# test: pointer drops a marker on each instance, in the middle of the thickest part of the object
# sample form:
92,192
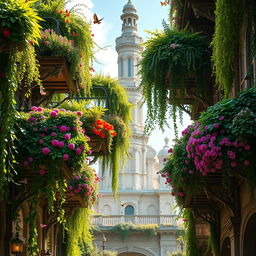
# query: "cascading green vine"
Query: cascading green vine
7,89
19,26
119,149
228,23
79,232
170,57
124,229
117,98
190,233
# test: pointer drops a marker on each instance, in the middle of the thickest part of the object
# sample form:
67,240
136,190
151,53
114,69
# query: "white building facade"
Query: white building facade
143,198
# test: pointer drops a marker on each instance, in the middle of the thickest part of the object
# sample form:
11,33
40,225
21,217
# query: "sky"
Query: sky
151,14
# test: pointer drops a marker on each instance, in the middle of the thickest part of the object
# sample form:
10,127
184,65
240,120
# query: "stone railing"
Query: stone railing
112,220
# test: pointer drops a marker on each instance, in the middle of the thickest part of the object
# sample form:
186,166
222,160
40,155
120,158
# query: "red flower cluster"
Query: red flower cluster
66,14
100,128
6,32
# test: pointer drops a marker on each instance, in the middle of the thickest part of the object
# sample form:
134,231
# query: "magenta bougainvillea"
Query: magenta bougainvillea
222,141
84,184
49,137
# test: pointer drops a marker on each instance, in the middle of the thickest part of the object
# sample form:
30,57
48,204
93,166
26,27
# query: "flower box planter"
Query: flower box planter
54,75
98,146
75,202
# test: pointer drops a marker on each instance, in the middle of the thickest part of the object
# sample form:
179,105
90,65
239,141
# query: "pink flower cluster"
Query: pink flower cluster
209,149
52,137
83,184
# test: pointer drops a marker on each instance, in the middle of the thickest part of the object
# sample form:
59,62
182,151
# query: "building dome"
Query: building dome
129,7
163,153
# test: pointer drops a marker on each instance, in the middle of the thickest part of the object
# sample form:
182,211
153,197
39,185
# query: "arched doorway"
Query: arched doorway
225,250
249,241
131,254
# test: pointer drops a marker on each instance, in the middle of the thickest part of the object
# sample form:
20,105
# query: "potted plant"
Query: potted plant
174,68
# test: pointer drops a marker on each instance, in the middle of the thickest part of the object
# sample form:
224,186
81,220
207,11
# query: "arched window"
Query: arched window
129,210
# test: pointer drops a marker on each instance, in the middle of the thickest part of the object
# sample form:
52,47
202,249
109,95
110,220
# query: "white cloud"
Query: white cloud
107,56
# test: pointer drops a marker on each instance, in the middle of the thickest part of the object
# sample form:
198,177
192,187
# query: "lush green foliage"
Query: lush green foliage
226,41
117,140
52,44
190,233
117,98
8,86
119,149
51,135
124,229
18,22
78,226
74,27
50,145
169,59
84,184
222,140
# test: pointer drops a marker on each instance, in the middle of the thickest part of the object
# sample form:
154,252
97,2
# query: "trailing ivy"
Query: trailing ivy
118,103
124,229
19,26
190,233
170,57
226,40
78,231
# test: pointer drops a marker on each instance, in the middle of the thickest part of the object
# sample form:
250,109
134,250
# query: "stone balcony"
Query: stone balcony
112,220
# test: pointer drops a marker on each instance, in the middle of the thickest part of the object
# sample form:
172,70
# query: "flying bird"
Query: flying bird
96,20
122,205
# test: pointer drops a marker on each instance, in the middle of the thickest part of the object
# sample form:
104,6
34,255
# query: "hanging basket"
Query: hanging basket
98,146
76,201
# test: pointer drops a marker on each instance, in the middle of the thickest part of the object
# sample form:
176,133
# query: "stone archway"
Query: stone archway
249,245
135,251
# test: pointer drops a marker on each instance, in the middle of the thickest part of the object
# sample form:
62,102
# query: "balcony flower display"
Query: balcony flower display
170,61
73,27
84,184
110,131
222,141
51,146
55,45
49,137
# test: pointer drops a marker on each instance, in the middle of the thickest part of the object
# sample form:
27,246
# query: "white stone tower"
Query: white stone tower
141,198
134,174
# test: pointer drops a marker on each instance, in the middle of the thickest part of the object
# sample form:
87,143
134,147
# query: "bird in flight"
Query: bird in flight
96,20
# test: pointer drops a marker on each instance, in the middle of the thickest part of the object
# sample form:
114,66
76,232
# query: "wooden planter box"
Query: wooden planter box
75,202
98,145
31,174
55,75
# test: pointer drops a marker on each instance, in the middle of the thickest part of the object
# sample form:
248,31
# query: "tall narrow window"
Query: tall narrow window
129,67
121,67
129,21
